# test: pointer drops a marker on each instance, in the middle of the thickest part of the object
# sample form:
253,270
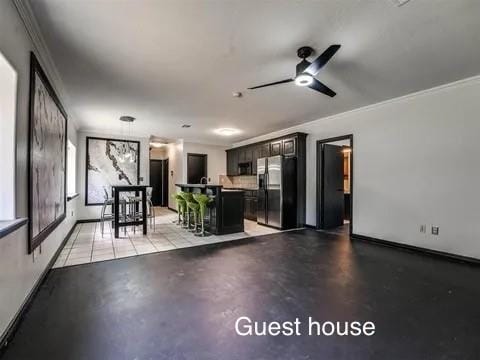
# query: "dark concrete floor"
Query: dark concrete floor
183,304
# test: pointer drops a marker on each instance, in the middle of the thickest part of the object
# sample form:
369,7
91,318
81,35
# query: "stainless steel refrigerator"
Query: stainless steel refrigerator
276,198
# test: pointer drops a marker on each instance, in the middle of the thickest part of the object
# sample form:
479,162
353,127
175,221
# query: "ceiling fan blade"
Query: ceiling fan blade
274,83
318,86
319,62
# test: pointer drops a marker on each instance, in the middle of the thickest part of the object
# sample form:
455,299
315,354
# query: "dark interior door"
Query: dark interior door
333,201
159,182
196,168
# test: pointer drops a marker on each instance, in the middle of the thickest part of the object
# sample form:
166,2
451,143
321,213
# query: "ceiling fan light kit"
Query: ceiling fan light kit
303,80
306,71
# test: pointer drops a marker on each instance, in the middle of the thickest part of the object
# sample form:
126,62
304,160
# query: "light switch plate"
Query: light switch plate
423,228
434,230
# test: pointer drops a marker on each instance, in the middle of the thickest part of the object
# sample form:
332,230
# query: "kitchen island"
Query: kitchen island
225,211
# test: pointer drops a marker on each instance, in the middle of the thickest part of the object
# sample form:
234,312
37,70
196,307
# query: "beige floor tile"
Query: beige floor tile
124,254
124,248
103,257
164,247
80,254
87,243
77,261
97,252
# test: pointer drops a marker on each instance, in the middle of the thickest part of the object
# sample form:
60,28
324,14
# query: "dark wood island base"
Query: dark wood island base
225,210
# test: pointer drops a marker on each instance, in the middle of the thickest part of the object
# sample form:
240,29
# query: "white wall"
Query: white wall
8,103
216,159
177,155
19,271
175,168
416,161
160,153
93,212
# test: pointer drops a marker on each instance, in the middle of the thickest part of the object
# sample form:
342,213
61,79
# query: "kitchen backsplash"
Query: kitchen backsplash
246,181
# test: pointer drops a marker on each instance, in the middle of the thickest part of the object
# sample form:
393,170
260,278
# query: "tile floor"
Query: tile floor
86,244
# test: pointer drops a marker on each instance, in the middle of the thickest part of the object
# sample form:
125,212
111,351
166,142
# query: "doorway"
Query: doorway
159,182
335,184
196,168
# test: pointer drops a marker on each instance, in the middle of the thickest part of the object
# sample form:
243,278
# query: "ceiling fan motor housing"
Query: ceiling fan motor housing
304,52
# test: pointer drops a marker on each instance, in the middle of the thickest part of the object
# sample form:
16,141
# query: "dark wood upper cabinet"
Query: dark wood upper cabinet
248,154
241,155
232,162
289,147
256,154
276,148
245,154
264,150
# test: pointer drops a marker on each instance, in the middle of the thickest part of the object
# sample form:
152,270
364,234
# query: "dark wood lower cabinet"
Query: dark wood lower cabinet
250,211
250,207
232,209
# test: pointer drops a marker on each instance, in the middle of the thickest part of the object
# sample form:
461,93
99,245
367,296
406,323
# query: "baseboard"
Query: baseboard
12,327
418,249
87,221
169,208
310,226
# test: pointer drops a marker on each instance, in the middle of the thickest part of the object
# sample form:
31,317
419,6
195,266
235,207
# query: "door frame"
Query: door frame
167,175
205,166
319,178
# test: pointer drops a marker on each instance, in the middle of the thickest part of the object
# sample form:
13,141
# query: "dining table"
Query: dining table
137,189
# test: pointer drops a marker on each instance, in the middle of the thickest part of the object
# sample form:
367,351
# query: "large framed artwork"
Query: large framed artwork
47,150
106,165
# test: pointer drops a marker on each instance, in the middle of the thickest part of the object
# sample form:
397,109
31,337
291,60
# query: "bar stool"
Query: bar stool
194,207
203,201
185,212
109,201
133,201
151,208
181,205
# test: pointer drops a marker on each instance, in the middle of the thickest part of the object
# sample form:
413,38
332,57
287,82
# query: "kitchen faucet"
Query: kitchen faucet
206,180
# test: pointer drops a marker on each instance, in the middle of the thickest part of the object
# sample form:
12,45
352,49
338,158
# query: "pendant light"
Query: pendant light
126,153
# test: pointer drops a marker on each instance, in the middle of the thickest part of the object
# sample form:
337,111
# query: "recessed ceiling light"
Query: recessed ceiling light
303,80
237,94
227,131
186,126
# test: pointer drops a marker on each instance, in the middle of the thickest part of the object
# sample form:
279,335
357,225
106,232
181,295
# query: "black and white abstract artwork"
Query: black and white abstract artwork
106,167
47,171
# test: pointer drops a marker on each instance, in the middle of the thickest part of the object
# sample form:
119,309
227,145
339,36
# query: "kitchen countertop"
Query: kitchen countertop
199,186
241,188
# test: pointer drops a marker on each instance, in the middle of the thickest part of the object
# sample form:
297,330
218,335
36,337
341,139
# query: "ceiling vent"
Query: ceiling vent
399,2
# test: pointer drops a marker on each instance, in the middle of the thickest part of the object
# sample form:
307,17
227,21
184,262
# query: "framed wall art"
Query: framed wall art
47,149
109,162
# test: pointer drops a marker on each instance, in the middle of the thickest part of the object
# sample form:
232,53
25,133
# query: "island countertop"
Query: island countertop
199,186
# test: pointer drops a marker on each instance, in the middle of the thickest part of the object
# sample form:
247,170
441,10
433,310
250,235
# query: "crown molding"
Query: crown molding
455,84
43,54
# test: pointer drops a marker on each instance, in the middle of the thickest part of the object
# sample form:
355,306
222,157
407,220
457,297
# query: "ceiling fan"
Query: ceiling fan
306,70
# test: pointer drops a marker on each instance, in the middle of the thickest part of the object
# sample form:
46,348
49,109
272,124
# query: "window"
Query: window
8,101
71,168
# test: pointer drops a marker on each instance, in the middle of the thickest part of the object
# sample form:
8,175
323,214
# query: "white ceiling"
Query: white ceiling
174,62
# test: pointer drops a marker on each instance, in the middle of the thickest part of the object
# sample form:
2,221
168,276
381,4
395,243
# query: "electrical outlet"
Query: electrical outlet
434,230
423,228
